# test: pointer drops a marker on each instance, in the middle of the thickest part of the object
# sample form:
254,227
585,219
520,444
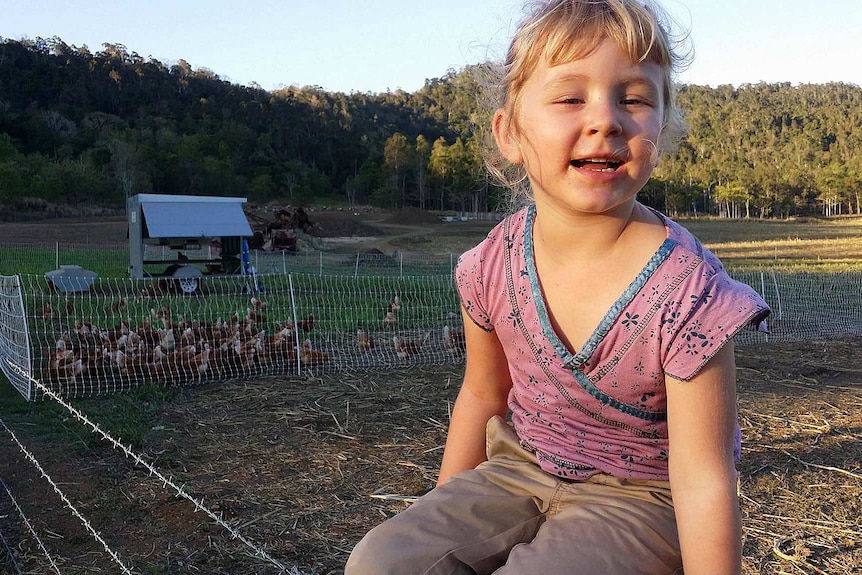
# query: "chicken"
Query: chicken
70,306
390,320
187,336
62,363
287,330
453,339
159,354
118,306
312,357
200,363
118,359
47,311
63,343
247,350
364,340
124,327
83,329
167,340
306,324
254,317
395,304
258,304
163,314
409,348
281,344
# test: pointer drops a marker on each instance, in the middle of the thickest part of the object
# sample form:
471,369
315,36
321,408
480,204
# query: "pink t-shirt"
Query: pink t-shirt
603,408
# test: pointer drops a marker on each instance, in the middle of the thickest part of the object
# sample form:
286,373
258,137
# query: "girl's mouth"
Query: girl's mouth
597,164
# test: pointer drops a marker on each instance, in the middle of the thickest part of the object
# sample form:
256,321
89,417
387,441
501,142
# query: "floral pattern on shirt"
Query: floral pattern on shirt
602,409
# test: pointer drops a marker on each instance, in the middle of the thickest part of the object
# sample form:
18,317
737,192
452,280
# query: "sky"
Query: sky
383,45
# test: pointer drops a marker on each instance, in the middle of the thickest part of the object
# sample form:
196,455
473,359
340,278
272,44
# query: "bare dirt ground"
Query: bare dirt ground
335,229
303,468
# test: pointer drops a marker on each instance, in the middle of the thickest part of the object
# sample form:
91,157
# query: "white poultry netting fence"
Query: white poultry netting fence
118,333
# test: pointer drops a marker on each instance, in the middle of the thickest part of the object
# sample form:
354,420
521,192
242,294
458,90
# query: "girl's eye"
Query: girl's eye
571,101
635,101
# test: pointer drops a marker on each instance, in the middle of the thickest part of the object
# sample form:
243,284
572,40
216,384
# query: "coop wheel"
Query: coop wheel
188,285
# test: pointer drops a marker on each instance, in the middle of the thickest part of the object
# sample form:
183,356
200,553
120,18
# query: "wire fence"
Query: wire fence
114,334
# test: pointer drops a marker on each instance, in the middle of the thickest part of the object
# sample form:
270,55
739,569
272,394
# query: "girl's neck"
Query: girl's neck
573,237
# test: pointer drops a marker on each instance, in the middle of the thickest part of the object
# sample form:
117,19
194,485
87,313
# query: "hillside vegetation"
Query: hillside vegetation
82,128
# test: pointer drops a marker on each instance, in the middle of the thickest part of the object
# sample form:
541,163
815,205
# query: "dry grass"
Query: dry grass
305,467
814,245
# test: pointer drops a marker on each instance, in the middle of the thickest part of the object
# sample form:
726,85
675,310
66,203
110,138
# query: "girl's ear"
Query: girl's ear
504,135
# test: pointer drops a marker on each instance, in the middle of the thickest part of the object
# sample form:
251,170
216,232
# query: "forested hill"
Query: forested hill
78,128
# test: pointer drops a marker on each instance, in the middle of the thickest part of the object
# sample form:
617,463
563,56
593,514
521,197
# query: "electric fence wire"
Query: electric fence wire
30,528
9,552
139,460
96,535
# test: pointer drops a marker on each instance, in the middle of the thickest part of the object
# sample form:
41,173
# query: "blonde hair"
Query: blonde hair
560,31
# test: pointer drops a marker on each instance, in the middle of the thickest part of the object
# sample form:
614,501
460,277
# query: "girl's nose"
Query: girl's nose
603,117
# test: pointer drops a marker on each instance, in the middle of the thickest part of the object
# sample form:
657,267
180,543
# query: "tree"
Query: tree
124,163
731,196
422,156
396,159
440,167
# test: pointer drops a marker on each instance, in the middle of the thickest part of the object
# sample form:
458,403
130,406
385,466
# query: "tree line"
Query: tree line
83,128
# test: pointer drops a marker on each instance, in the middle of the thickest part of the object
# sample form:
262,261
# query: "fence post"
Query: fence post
777,292
401,264
356,267
295,326
283,262
321,263
15,344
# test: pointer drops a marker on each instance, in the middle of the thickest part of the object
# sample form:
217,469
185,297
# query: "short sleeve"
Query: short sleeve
716,312
469,281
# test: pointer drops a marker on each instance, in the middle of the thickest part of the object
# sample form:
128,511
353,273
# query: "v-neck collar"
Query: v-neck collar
580,357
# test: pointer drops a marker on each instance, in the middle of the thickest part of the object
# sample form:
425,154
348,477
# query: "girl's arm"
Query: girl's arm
701,425
483,394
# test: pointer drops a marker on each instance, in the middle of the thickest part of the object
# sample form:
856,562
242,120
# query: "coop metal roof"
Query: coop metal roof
193,216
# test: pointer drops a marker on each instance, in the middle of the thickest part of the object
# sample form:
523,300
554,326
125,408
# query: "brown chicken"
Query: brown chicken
453,339
306,324
118,306
406,349
312,357
390,320
200,363
364,340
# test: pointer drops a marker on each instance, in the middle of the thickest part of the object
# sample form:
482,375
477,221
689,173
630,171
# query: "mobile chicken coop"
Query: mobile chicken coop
186,237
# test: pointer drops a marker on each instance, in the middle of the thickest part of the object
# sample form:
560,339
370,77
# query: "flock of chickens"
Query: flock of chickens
164,347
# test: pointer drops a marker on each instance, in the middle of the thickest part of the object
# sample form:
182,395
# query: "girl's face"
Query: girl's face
586,131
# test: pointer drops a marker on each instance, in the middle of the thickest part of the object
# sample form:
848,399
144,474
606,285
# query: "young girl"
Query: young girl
603,328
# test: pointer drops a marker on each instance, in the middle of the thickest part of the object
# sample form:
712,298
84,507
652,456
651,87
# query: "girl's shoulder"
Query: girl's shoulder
687,241
507,232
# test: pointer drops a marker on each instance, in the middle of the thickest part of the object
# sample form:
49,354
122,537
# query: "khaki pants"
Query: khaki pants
509,517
